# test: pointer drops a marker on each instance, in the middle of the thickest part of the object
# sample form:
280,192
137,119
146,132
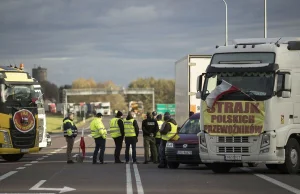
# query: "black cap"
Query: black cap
99,114
119,114
167,114
154,113
159,117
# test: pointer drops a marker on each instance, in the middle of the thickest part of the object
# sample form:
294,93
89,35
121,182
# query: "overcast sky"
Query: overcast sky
121,40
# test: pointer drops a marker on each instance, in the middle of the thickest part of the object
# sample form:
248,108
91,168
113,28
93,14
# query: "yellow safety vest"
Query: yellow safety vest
114,128
129,128
97,128
69,132
158,135
171,135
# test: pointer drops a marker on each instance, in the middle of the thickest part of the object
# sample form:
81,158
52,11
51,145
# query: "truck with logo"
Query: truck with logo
105,108
250,105
21,130
187,70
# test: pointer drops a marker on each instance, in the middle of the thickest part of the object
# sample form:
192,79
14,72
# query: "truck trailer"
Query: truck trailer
186,71
250,110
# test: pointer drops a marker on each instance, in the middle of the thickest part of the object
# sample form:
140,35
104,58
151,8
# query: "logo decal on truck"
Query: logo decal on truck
24,120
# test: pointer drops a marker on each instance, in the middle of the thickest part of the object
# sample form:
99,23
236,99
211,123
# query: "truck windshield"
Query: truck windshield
258,85
192,126
249,57
18,92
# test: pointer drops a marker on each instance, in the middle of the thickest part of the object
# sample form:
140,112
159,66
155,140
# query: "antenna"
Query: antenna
278,40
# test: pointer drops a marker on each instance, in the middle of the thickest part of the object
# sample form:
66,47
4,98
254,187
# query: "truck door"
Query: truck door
296,97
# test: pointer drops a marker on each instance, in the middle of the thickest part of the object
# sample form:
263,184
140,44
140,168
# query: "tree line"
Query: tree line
164,92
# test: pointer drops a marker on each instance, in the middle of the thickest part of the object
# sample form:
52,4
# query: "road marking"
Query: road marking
128,180
45,156
27,193
20,168
275,182
27,164
34,162
40,159
138,179
7,175
49,154
37,187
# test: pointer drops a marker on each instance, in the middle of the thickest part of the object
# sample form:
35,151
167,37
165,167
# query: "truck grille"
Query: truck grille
180,145
225,139
233,149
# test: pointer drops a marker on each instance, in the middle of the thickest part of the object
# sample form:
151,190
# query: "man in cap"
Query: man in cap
70,133
117,133
150,128
99,133
168,132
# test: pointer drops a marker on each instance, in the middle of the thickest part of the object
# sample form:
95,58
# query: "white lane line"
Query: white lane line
27,164
20,168
275,182
53,152
128,180
40,159
49,154
2,177
34,162
45,156
139,185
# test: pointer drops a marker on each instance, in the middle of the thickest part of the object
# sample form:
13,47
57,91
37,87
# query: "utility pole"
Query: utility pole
265,29
226,23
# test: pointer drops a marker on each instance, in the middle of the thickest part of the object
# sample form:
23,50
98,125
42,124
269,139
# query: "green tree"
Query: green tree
164,90
50,91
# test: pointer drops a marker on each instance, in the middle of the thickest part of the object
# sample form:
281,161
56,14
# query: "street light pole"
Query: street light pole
265,19
226,23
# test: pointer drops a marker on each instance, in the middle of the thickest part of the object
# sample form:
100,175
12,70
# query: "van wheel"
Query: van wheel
252,164
12,157
272,166
173,165
220,168
292,153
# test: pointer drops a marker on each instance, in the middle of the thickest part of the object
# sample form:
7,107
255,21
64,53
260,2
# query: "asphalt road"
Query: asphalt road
48,172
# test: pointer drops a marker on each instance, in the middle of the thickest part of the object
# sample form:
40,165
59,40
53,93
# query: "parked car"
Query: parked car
186,149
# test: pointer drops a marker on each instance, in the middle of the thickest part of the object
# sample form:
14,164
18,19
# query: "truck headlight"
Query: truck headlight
203,140
169,145
6,138
265,140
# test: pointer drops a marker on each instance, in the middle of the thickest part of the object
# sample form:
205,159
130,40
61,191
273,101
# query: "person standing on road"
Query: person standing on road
158,135
168,133
70,133
150,128
99,133
131,131
117,133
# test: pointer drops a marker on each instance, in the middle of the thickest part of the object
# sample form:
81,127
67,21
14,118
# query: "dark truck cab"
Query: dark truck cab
186,149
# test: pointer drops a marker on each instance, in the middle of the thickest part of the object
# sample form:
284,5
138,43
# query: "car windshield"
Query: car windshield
254,84
14,92
231,58
192,126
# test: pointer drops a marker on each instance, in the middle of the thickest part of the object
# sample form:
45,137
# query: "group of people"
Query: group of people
156,133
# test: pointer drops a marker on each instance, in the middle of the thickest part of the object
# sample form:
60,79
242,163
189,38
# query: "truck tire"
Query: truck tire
12,157
220,168
272,166
173,165
292,154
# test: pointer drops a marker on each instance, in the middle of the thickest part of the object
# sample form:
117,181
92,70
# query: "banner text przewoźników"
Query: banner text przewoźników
234,118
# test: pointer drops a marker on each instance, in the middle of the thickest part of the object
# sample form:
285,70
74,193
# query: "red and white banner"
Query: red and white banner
218,92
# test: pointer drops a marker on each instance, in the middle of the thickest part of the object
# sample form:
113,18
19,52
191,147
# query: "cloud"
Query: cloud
122,40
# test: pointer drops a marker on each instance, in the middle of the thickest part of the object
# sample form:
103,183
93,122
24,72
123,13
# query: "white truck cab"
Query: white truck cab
250,105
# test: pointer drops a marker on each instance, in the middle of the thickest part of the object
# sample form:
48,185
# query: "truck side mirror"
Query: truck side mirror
284,84
199,83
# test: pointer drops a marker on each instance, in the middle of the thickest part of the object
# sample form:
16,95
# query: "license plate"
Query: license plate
233,157
184,152
24,150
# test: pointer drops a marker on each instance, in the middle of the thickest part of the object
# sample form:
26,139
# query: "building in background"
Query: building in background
39,73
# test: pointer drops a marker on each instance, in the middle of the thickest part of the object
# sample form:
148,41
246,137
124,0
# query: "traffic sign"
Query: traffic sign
162,108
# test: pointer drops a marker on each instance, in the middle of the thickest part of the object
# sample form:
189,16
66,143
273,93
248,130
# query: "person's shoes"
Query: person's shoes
103,162
70,162
95,163
127,162
119,162
135,162
162,166
145,162
155,162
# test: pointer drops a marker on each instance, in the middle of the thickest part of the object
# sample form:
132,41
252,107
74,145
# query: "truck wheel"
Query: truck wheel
292,153
272,166
12,157
220,168
173,165
252,164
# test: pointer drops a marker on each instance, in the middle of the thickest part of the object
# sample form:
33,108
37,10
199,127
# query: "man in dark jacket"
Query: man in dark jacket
117,133
70,133
150,128
165,129
131,132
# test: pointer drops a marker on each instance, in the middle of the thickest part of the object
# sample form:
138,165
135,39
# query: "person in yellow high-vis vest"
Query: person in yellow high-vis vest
99,134
131,131
168,133
158,135
117,133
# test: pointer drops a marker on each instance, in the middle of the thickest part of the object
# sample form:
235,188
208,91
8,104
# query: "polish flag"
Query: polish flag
218,92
